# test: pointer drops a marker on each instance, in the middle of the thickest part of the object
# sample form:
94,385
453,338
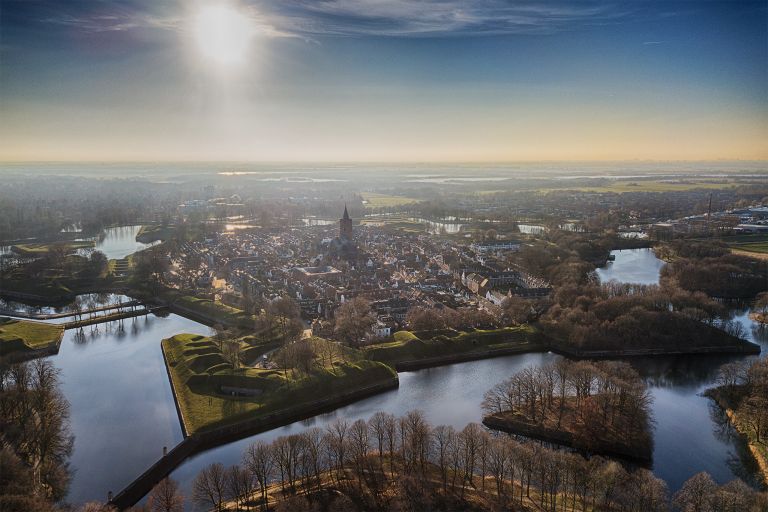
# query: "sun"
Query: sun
223,34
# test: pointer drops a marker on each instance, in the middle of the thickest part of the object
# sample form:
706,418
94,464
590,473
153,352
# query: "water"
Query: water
123,411
121,405
689,436
313,221
639,266
532,229
438,227
119,242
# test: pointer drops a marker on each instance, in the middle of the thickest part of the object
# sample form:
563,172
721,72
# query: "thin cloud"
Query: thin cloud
356,18
403,18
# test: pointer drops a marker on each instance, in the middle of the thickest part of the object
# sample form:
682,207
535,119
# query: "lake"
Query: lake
639,266
117,243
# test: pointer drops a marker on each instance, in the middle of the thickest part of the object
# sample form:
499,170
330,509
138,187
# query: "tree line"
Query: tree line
711,268
403,463
629,316
599,403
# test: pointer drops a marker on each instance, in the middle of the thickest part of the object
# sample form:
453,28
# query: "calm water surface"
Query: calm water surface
121,405
119,242
639,266
123,411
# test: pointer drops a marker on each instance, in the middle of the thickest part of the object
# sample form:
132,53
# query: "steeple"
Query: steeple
345,226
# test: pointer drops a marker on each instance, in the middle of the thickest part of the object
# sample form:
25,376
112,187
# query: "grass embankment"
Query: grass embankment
727,398
153,233
574,430
214,311
40,249
443,346
22,338
203,381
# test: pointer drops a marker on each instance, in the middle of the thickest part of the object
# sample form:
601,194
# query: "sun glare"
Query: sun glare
223,34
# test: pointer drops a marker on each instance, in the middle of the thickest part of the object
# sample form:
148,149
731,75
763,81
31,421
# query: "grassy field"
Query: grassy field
374,200
199,369
409,346
42,248
23,336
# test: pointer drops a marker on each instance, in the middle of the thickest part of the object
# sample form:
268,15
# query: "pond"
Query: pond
117,243
532,229
445,227
639,266
314,221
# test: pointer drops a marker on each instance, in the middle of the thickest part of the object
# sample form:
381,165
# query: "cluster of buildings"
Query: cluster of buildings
322,268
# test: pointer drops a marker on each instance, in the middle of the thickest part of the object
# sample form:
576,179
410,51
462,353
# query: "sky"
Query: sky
383,81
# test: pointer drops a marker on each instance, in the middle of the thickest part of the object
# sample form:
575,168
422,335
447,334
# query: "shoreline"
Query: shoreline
715,394
503,424
207,439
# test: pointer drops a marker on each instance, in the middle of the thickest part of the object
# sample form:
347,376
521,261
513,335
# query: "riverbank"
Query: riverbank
21,340
758,450
516,424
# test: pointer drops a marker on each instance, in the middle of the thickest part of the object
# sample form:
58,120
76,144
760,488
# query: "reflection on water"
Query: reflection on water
117,243
448,227
531,229
122,409
640,266
312,221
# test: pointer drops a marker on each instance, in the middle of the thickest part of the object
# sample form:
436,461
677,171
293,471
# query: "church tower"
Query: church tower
345,226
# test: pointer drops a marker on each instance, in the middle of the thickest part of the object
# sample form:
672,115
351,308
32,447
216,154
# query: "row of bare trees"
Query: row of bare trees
433,319
378,464
596,401
745,388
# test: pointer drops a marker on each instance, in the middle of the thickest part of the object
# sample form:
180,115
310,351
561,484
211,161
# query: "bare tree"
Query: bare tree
259,461
166,497
209,487
353,321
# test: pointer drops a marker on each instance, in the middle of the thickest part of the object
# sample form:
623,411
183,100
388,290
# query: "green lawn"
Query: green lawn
20,336
198,370
409,346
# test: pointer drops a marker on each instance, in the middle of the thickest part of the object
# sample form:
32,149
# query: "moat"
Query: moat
122,408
